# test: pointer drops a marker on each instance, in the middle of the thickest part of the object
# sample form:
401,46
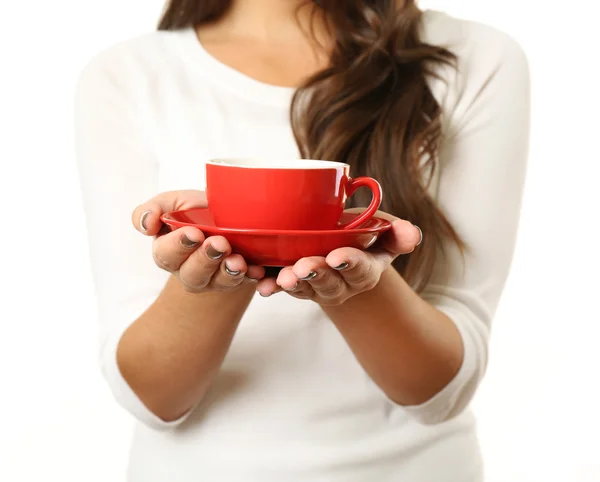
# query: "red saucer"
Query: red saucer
281,248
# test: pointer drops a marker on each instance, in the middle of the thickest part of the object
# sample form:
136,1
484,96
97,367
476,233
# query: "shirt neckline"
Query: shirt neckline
234,80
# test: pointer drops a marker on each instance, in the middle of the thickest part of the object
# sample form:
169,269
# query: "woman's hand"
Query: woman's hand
345,272
200,264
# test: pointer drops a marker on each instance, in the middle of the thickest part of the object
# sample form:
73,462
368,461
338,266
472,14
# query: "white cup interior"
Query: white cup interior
277,163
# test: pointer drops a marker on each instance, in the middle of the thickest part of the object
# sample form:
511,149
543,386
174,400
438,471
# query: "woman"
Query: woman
353,367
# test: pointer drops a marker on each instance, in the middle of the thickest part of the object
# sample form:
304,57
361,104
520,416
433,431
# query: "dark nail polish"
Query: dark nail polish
342,266
144,219
212,253
311,275
420,234
231,272
187,242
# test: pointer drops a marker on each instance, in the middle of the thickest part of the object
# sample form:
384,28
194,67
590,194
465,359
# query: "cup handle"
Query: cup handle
373,185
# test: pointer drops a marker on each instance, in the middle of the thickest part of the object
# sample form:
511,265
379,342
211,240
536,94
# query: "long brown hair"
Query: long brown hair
371,108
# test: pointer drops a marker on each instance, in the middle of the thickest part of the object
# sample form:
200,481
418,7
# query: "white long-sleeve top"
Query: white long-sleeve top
291,403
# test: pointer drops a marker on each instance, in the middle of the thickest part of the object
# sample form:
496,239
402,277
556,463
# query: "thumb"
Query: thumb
403,238
146,217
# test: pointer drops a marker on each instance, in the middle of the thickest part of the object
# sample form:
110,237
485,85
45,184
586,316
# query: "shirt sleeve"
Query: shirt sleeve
483,165
117,173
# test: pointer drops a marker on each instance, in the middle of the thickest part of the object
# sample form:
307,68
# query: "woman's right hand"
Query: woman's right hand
200,264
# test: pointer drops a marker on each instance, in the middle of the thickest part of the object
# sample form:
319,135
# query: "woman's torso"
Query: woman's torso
291,402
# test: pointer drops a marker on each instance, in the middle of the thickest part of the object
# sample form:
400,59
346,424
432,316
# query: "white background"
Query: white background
539,406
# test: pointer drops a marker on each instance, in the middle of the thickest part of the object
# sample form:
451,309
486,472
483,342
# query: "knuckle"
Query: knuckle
196,276
333,289
363,276
205,267
190,287
230,284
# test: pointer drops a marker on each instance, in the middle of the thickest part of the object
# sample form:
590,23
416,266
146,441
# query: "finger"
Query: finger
230,274
403,238
359,269
324,280
171,250
255,273
197,271
146,217
289,282
340,259
267,287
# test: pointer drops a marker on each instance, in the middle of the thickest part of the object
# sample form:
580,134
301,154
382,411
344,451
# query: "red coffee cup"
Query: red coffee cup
284,195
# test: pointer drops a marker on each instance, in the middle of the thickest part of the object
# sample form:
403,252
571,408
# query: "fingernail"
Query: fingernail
231,272
420,234
265,296
213,253
187,242
342,266
143,219
254,280
311,275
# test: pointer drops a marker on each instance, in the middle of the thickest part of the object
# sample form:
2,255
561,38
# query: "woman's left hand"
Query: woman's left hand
345,272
